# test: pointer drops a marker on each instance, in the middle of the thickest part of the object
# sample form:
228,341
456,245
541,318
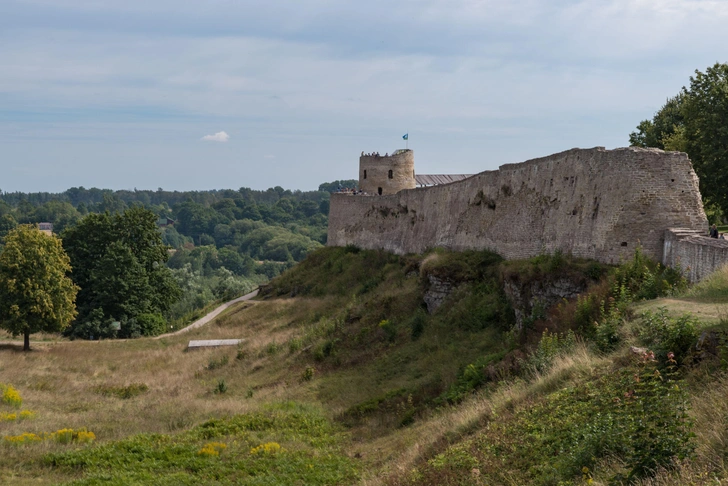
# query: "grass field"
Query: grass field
340,380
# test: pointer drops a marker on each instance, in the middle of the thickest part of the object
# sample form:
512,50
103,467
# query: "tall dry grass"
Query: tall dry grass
61,382
397,454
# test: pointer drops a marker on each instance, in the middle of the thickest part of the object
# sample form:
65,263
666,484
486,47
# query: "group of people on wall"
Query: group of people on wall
349,190
715,234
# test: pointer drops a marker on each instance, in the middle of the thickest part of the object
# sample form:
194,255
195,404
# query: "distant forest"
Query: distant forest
224,242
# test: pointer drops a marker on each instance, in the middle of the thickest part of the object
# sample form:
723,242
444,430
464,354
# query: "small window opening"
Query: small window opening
365,174
624,243
391,176
379,190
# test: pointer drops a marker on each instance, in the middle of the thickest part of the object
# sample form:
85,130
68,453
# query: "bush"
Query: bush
417,324
11,396
308,373
214,363
647,279
551,346
151,324
471,377
664,334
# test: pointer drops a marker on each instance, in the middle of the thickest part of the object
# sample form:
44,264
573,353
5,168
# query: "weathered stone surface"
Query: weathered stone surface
436,293
375,171
591,203
213,343
539,293
693,252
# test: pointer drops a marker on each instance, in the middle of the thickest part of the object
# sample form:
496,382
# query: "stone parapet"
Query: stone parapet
693,252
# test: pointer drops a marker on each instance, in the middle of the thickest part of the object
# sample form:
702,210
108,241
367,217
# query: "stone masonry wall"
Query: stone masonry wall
694,253
377,169
592,203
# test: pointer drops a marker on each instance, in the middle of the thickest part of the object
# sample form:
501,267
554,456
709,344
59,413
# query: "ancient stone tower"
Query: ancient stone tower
387,174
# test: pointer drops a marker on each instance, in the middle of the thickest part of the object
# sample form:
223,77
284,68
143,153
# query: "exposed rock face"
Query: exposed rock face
536,297
437,292
591,203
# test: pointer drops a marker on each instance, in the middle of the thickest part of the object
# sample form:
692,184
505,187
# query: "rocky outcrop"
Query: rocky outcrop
532,300
438,290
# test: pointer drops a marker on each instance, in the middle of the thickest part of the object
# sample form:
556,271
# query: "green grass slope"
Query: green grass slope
343,377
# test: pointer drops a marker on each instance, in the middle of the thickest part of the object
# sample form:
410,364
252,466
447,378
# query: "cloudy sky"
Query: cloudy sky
209,94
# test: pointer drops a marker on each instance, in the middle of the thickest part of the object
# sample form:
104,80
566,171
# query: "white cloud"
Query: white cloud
218,137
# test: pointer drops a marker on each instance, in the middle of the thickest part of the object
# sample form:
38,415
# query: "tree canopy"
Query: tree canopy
35,292
121,273
695,121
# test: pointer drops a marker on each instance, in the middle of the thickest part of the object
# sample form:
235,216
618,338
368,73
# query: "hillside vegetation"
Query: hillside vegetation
345,377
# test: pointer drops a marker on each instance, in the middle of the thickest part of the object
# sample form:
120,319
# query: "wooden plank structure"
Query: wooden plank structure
437,179
213,343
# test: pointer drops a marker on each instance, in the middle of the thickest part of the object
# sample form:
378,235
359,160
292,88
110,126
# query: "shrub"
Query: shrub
647,279
11,396
221,387
84,435
151,324
471,377
267,448
606,332
308,373
212,449
294,345
63,436
22,439
551,346
214,363
417,323
655,413
665,334
588,310
390,331
26,414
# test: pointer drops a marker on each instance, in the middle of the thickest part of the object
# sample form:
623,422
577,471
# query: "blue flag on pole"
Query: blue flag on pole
405,136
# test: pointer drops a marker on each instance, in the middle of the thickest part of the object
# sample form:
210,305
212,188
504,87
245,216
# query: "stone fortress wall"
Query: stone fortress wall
591,203
693,253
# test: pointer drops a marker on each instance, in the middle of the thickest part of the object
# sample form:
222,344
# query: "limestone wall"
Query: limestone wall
592,203
694,252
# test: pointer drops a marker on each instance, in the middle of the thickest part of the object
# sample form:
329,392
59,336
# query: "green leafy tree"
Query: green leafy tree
35,292
696,122
119,261
7,223
706,131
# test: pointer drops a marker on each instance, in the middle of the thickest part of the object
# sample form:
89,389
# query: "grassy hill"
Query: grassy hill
344,377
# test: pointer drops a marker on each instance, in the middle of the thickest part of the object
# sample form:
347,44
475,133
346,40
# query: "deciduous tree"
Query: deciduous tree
118,263
35,292
696,122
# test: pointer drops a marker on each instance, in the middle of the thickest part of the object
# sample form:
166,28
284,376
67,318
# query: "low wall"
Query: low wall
694,253
591,203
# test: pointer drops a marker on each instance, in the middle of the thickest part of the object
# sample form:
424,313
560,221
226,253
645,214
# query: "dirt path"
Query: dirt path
205,319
